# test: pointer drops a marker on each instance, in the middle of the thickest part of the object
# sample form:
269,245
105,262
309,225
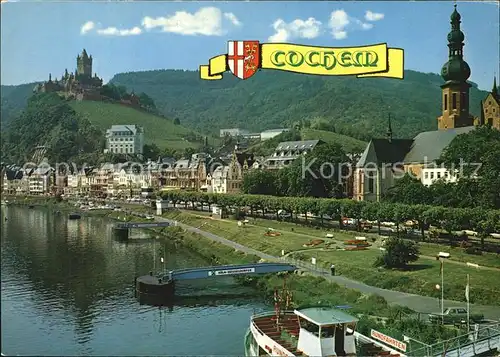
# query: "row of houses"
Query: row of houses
200,172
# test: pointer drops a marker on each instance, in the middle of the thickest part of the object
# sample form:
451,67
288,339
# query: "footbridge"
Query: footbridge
163,284
228,270
484,341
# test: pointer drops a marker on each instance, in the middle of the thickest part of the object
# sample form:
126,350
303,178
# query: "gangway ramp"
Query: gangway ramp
229,270
486,339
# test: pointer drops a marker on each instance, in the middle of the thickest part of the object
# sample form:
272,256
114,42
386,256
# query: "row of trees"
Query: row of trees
483,221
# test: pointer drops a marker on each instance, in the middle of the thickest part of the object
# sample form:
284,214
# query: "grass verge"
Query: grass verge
420,279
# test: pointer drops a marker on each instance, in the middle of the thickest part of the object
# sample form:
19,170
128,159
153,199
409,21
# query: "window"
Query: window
371,184
446,174
439,175
463,103
327,331
445,102
490,121
454,101
426,175
432,175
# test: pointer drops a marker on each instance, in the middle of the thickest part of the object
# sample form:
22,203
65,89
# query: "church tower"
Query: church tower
455,72
84,65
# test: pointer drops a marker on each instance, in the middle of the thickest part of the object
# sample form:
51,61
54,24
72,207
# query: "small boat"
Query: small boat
315,331
74,216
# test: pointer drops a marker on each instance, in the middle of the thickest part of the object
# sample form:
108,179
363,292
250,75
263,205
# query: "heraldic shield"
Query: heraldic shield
243,58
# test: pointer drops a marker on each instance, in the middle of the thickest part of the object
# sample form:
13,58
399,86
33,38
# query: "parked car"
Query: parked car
455,315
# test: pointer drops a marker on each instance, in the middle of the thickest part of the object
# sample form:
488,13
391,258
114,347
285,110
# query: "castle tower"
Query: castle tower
84,65
455,72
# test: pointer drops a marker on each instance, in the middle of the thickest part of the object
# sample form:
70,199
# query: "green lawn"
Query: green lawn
158,130
358,265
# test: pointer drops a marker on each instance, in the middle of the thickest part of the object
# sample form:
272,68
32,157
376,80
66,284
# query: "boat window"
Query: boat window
350,328
309,326
327,331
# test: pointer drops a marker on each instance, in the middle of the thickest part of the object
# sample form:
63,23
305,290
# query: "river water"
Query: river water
67,289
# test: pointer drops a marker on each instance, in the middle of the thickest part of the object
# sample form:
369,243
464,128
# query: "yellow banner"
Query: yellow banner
362,62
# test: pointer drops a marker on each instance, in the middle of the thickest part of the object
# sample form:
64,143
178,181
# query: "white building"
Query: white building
271,133
233,132
125,139
433,173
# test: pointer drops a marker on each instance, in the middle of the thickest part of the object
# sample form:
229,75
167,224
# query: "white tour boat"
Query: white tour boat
316,331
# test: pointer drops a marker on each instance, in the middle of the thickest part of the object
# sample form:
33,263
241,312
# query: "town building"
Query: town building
12,182
188,174
79,85
125,139
40,180
490,108
271,133
234,132
286,152
229,178
387,159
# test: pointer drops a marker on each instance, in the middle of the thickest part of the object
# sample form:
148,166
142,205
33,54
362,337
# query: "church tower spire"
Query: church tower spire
494,90
455,72
389,129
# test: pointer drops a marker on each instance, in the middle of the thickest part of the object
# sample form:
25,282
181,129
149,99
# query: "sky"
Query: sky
38,38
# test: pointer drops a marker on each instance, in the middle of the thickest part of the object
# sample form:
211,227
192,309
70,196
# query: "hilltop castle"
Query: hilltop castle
79,85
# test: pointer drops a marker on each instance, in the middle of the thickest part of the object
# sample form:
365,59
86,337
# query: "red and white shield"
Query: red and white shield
243,58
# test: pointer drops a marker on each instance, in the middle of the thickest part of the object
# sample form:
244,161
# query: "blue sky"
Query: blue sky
39,38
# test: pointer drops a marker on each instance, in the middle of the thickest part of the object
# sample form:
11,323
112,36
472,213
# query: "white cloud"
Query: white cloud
206,21
86,27
338,22
113,31
232,17
373,16
310,28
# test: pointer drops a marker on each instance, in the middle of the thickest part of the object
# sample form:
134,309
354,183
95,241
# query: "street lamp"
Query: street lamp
442,256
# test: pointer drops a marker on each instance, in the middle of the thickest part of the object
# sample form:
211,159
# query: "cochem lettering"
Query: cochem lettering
326,59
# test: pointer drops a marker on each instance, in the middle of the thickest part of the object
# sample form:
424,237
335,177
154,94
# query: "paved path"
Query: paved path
415,302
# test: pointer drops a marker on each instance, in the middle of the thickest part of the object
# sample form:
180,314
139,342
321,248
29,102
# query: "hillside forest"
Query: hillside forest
351,106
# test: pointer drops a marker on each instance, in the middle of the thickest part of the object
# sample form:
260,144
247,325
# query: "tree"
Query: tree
317,173
151,151
398,253
147,102
474,156
177,121
260,182
408,190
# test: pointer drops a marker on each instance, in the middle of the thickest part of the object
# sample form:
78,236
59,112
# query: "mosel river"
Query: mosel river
68,289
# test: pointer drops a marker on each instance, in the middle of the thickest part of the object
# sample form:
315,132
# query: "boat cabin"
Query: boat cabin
326,331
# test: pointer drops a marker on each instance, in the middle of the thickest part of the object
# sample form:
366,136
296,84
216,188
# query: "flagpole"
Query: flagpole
467,296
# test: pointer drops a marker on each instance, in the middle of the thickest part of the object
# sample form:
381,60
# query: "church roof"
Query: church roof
429,145
383,151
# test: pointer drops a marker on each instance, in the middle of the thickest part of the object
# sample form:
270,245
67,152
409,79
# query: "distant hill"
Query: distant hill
160,131
273,99
13,99
270,99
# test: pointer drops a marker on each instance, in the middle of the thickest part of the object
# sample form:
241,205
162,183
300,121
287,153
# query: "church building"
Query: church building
387,159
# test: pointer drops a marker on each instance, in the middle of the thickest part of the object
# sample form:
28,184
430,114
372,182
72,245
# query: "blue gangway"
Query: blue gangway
228,270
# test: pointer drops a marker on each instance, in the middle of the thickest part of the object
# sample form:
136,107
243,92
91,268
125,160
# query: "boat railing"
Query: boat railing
460,345
265,314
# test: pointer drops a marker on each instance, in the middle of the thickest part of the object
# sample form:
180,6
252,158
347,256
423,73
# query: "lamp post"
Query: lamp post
442,256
